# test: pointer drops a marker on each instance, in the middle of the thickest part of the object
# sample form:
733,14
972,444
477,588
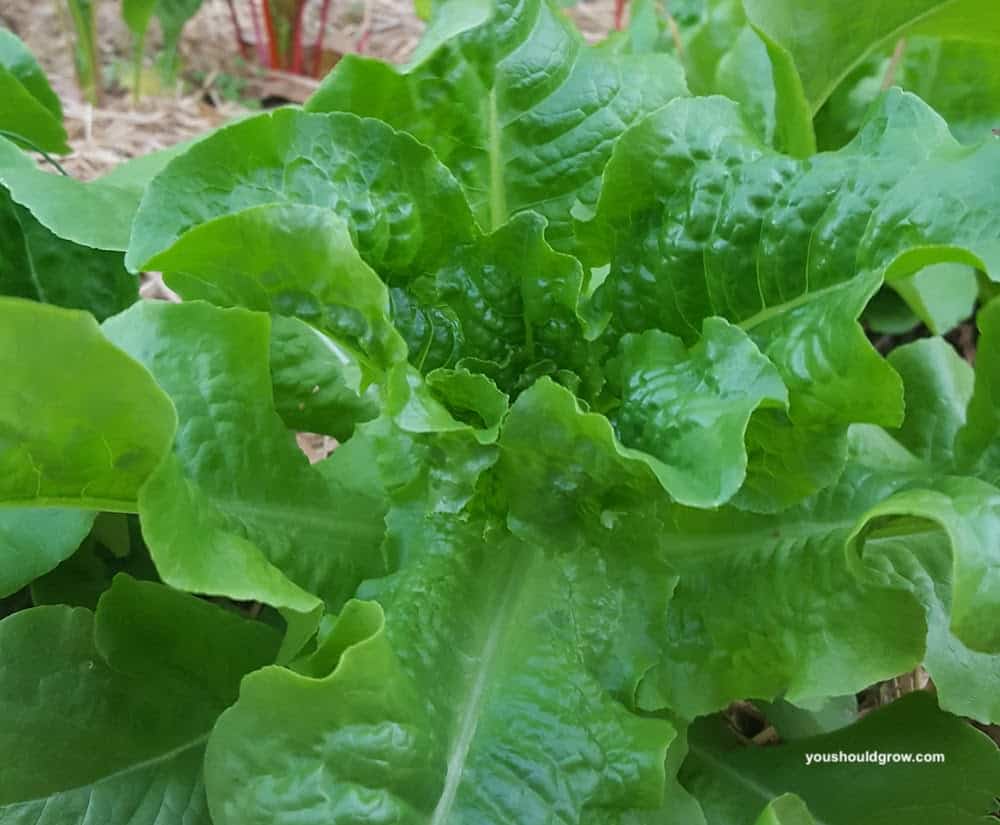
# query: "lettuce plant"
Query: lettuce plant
614,453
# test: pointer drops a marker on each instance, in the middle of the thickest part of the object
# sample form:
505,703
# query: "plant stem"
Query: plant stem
619,14
298,57
274,54
317,66
140,43
35,148
258,35
894,61
240,42
88,70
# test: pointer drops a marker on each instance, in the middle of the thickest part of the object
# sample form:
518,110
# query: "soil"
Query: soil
216,84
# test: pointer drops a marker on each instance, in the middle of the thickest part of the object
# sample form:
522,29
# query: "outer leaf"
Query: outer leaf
128,720
968,511
94,214
290,259
747,583
24,116
826,40
719,225
959,79
470,721
83,578
33,542
236,510
978,444
942,295
401,226
520,109
794,722
732,782
90,450
36,264
938,386
724,55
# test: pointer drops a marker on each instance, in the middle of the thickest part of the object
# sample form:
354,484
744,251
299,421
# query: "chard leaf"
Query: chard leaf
732,782
458,714
127,718
519,108
90,450
404,210
36,264
236,510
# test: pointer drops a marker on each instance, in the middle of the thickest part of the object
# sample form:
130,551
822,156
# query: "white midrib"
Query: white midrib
498,191
472,706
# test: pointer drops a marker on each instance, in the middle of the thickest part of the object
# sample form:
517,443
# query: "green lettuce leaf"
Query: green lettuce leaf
455,715
130,697
520,109
96,214
978,441
36,264
733,782
504,304
319,387
91,449
34,541
236,510
825,40
401,226
697,218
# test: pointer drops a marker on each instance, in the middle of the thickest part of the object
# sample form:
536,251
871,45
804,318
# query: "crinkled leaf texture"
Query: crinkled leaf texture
442,701
520,109
616,453
697,218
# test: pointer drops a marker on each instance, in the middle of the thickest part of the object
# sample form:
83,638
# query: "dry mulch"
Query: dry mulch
119,128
